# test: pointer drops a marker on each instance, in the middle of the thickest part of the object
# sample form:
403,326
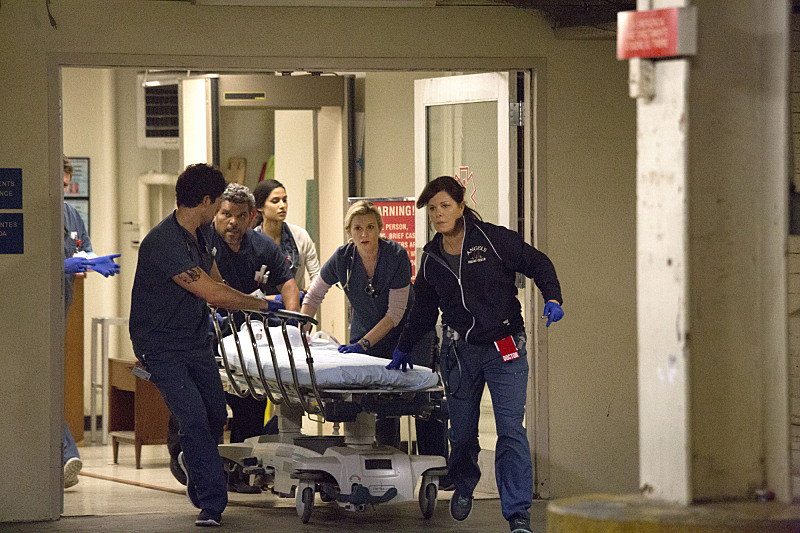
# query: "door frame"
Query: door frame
537,236
531,171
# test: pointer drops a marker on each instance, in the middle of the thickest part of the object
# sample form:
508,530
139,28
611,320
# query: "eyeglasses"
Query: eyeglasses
370,290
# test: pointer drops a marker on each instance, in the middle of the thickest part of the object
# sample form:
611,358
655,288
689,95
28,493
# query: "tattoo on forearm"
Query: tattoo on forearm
190,275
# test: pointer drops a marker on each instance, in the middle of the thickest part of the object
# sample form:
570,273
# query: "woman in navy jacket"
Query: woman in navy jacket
468,271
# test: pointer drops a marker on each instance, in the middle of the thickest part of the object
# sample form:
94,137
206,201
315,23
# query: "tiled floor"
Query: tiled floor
119,497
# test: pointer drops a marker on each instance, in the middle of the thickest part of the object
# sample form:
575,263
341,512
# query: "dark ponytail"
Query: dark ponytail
261,193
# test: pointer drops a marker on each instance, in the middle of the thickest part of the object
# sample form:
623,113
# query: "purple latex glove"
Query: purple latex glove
276,304
352,348
400,360
75,265
105,265
552,312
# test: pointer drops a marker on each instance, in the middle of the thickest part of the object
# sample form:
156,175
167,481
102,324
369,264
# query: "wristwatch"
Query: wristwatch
365,343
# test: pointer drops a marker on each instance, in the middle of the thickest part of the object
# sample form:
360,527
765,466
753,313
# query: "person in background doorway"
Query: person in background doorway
272,204
468,272
78,259
176,276
241,254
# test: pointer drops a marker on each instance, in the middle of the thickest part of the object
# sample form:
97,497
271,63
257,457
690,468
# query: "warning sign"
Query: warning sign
398,223
656,33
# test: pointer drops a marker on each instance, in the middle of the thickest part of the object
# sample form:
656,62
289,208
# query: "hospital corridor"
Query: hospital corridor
591,205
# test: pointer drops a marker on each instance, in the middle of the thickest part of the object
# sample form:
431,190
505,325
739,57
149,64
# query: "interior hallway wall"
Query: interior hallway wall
591,230
590,193
389,132
89,124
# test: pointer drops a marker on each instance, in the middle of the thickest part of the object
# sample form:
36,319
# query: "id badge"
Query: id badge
507,348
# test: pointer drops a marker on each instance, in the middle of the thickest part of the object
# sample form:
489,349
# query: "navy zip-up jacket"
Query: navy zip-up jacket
479,302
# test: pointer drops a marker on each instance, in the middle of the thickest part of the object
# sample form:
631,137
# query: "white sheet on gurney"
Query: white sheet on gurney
333,370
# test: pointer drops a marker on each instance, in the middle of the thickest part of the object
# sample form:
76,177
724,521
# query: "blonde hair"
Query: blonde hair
362,207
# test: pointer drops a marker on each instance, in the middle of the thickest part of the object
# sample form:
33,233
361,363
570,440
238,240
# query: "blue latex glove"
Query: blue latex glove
220,320
105,265
74,265
352,348
302,295
276,304
552,312
399,360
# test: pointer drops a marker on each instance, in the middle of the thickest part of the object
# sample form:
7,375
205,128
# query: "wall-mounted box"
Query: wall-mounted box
158,117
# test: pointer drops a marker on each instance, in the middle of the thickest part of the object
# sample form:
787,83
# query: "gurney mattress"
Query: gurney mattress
333,370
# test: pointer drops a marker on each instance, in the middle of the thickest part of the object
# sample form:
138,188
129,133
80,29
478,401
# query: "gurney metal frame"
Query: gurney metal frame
350,469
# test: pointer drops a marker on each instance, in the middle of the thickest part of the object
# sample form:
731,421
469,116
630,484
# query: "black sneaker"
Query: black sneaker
208,519
177,471
520,525
460,506
191,490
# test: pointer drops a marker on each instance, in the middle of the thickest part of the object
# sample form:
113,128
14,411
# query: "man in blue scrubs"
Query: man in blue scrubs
241,254
175,276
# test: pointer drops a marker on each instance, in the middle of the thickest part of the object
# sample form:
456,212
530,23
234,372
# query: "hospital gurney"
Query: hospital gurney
311,378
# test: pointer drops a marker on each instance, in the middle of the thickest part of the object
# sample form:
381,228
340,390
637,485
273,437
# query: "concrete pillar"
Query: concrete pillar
712,172
712,193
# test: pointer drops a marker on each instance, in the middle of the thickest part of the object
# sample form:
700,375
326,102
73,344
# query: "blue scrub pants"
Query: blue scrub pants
70,449
464,378
190,384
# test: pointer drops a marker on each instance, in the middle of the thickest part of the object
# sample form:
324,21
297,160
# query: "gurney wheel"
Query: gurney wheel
427,499
305,502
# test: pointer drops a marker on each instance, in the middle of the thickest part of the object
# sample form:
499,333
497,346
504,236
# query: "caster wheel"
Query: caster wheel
304,501
427,499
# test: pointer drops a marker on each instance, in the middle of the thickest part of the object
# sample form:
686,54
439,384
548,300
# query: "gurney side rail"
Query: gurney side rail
242,393
259,397
285,316
285,392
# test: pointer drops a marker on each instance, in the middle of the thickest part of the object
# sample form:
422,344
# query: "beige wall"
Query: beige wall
590,192
90,131
389,132
591,231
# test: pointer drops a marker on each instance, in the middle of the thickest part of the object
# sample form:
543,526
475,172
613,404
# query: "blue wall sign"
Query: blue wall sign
11,234
10,188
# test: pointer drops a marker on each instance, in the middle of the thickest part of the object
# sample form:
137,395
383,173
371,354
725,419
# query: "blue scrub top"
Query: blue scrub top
239,268
164,316
288,246
76,239
393,271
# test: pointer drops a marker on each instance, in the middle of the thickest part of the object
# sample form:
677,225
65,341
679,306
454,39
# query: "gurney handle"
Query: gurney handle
300,317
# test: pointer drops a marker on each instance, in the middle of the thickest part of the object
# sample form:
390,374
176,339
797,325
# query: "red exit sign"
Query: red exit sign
657,33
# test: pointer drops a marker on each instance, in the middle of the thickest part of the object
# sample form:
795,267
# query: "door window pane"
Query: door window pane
462,142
